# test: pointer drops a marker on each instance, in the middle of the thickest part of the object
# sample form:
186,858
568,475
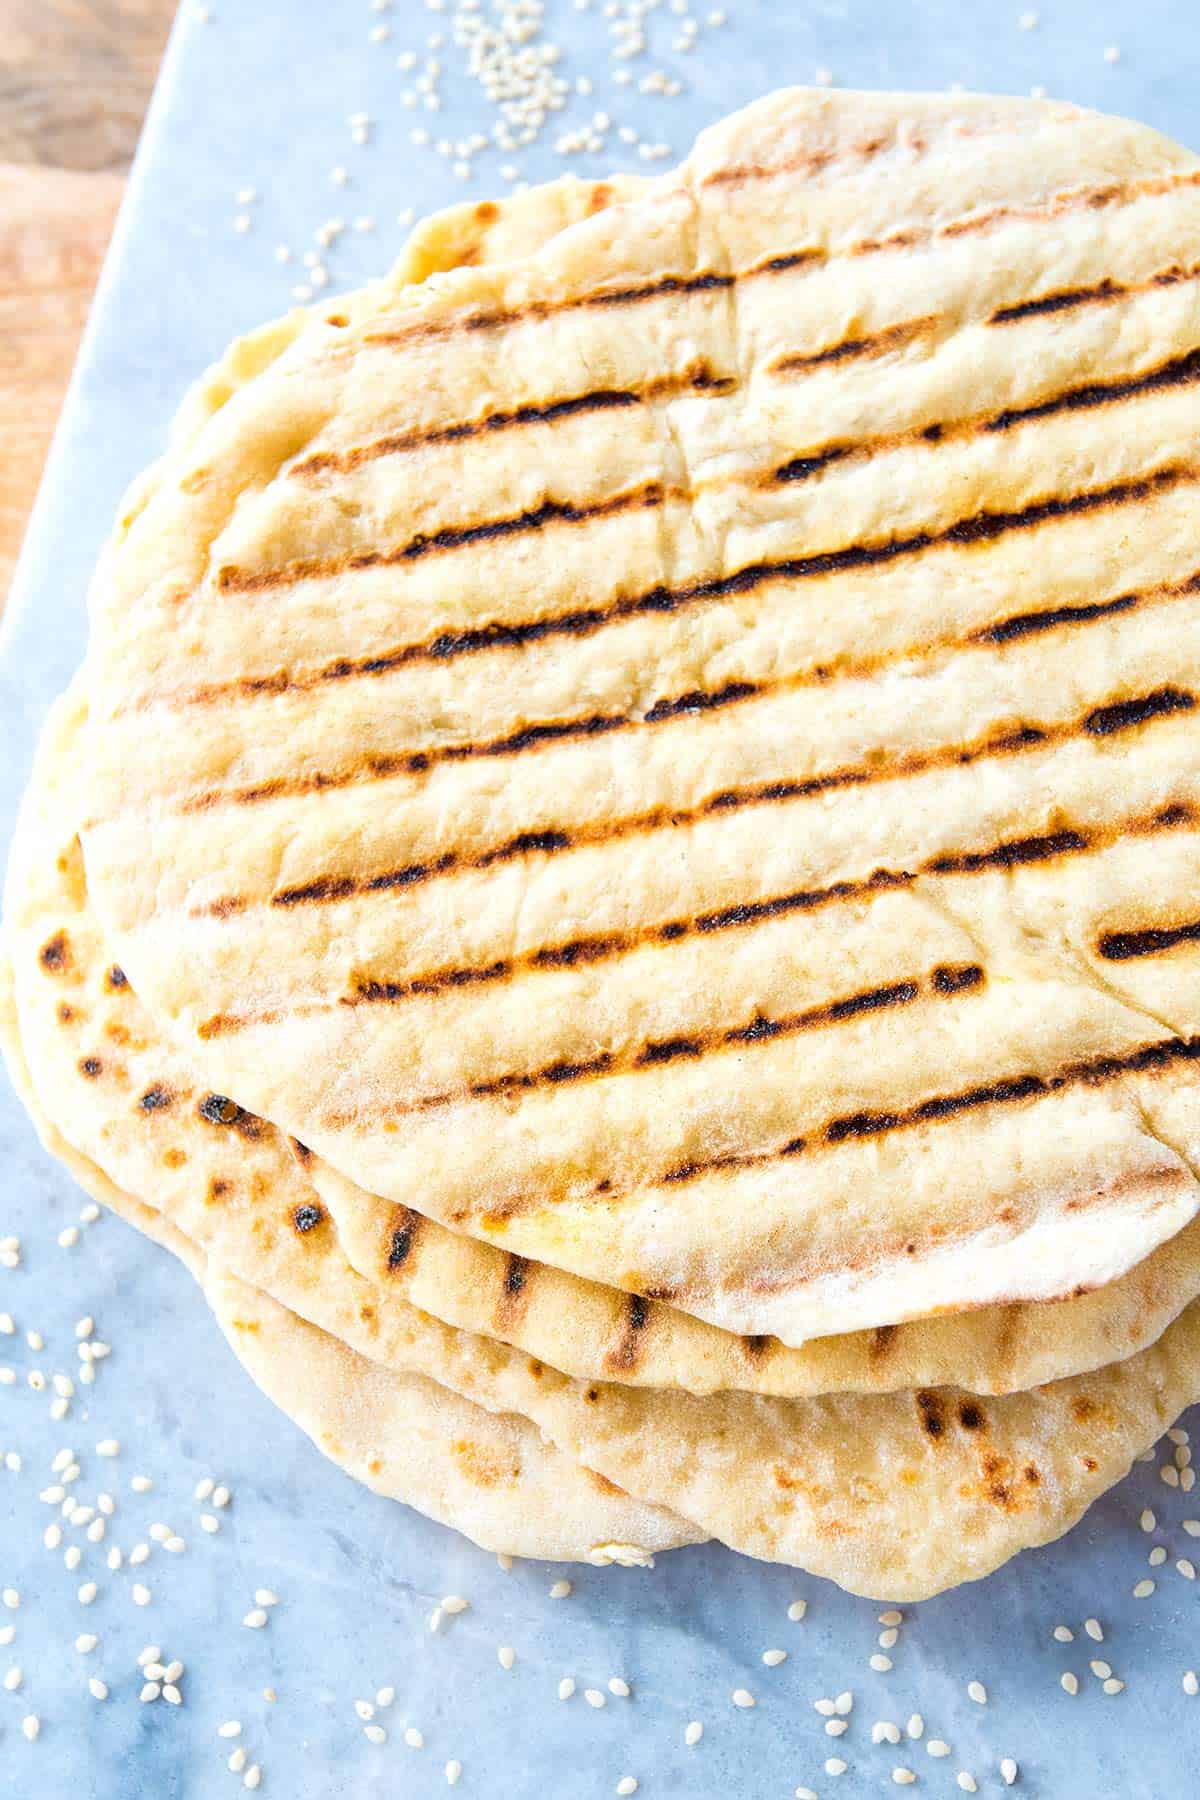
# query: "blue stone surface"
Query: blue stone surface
260,95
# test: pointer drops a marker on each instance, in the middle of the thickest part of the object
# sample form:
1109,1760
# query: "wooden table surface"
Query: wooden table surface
75,77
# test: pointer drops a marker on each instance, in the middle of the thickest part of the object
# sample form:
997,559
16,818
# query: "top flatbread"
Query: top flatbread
676,755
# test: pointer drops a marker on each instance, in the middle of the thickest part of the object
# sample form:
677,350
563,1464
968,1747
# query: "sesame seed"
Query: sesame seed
797,1610
693,1731
743,1697
883,1731
87,1593
13,1679
97,1688
566,1687
220,1497
560,1590
173,1671
252,1777
1028,21
903,1777
154,1671
230,1729
108,1447
72,1556
1169,1475
203,1488
435,1619
364,1709
889,1639
31,1725
1186,1568
413,1738
1157,1557
1112,54
880,1663
150,1654
7,1327
237,1761
86,1642
138,1554
826,1708
845,1703
160,1533
107,1504
35,1340
7,1633
835,1766
1063,1634
141,1484
627,1785
977,1692
452,1604
1191,1685
141,1595
1113,1686
773,1658
806,1793
262,1596
209,1522
150,1691
937,1747
1101,1670
916,1726
506,1656
619,1686
68,1237
375,1734
453,1771
836,1727
1143,1589
967,1782
594,1697
1094,1630
52,1537
255,1619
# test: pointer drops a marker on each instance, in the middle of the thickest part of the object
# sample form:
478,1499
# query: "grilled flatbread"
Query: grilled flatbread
128,1099
676,756
897,1494
488,1474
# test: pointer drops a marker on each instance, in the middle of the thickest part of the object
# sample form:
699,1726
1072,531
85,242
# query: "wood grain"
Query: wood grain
54,229
75,79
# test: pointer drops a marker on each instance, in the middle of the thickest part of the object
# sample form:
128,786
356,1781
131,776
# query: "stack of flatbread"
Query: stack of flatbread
620,879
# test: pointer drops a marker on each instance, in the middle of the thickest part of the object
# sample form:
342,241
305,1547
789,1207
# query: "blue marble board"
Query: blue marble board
260,95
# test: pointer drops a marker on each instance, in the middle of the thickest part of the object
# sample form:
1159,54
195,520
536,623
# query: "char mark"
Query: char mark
1151,940
1106,721
404,1235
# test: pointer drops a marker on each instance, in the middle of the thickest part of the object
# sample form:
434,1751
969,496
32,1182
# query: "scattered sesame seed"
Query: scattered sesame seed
619,1686
209,1522
835,1766
97,1688
883,1731
826,1708
230,1729
594,1697
150,1654
1113,1686
977,1692
7,1327
967,1782
1101,1670
262,1596
453,1771
141,1484
1112,54
13,1679
87,1593
68,1237
506,1656
845,1703
1169,1475
566,1687
889,1639
11,1599
627,1785
108,1447
452,1604
1186,1568
1143,1589
693,1731
560,1590
72,1556
138,1554
435,1619
237,1761
1028,21
1094,1630
836,1727
1157,1557
255,1619
375,1734
1063,1634
806,1793
150,1691
31,1725
7,1633
880,1663
141,1595
1191,1684
86,1642
252,1777
903,1777
743,1697
413,1738
52,1537
937,1747
916,1726
797,1610
773,1658
35,1340
1192,1527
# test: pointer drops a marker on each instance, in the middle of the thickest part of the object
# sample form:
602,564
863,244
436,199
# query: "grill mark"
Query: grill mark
866,347
1006,1090
626,1353
943,982
973,224
232,579
696,378
745,915
687,705
1175,372
514,1294
404,1235
1150,940
1102,721
1102,293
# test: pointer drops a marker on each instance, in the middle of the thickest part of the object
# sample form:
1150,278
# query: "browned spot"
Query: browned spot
218,1110
970,1416
485,1468
1083,1409
301,1152
155,1099
55,954
91,1066
375,1466
174,1158
406,1225
758,1347
883,1342
487,212
307,1217
931,1413
367,1314
1032,1474
118,1033
627,1351
116,979
600,197
1090,1464
219,1189
514,1293
66,1012
602,1483
591,1395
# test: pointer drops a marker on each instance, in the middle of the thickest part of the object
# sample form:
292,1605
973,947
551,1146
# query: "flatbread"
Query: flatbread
488,1474
676,756
76,1017
895,1495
